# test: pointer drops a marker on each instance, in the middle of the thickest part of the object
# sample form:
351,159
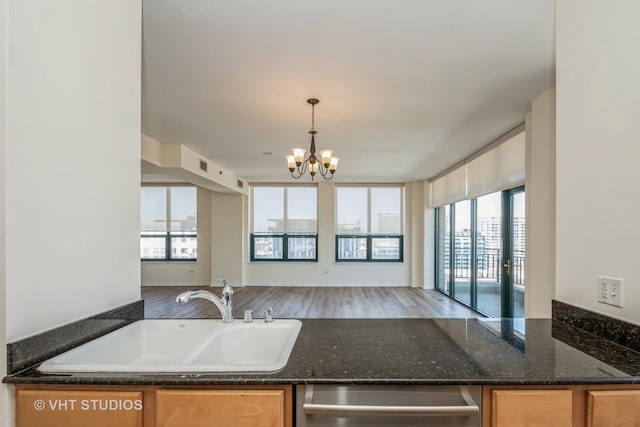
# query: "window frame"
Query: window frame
284,235
169,234
285,247
370,236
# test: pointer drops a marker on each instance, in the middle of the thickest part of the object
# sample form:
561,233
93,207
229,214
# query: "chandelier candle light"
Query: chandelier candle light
326,165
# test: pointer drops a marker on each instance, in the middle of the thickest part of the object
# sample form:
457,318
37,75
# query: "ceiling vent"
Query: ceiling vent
203,165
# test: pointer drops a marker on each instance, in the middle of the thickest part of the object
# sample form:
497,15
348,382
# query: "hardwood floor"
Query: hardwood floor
309,302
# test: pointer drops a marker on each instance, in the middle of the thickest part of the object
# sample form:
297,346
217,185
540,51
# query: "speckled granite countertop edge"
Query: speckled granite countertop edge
409,351
213,380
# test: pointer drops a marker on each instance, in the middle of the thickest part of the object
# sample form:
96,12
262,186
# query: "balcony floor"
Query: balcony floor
489,298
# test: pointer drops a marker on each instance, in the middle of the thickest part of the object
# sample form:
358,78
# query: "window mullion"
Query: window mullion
252,219
473,264
402,211
285,222
369,210
285,247
167,246
285,215
452,249
369,240
167,224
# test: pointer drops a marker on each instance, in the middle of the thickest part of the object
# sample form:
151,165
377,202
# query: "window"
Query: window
284,223
369,223
168,224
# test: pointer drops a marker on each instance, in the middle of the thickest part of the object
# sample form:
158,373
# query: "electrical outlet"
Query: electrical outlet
610,291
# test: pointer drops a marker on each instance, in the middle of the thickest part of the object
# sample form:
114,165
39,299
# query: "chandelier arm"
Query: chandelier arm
298,171
301,170
304,166
322,170
325,172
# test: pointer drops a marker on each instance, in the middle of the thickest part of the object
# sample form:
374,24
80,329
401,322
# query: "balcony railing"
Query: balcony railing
489,266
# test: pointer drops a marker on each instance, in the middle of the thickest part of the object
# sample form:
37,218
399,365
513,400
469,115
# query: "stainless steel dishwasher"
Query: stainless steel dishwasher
387,405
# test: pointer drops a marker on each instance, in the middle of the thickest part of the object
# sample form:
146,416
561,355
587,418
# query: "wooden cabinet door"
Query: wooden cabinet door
531,408
220,408
59,408
613,408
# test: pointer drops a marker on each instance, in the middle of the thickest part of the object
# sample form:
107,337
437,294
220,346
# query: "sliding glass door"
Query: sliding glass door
480,252
488,244
514,254
462,260
443,249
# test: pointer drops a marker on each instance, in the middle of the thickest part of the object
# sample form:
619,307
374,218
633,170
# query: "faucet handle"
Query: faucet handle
268,315
224,282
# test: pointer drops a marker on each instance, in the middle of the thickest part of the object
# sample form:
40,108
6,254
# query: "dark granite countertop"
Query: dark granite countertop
416,351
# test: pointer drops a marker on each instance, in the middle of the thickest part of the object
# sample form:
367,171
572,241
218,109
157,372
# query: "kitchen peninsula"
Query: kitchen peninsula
498,354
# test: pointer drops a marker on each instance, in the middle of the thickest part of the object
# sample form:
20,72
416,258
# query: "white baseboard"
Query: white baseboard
292,285
176,284
331,285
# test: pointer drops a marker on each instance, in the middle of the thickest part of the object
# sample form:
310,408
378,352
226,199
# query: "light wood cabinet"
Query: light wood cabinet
561,406
220,408
272,406
531,408
62,408
153,406
613,408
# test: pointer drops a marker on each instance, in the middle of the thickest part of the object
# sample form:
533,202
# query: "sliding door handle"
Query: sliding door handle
507,267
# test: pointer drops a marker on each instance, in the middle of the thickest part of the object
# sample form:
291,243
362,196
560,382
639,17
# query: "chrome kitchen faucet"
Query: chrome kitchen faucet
224,304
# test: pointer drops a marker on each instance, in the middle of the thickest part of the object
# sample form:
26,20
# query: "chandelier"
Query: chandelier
326,165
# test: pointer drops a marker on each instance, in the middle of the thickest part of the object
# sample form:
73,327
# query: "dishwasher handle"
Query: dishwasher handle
468,410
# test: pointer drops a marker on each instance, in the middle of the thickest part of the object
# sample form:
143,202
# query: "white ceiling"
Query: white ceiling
406,87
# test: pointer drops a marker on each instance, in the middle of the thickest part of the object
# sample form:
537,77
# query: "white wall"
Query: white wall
196,273
5,410
229,237
73,161
540,207
598,155
415,232
327,272
429,239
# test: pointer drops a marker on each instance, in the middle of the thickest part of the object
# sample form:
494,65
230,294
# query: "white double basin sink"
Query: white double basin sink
184,346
